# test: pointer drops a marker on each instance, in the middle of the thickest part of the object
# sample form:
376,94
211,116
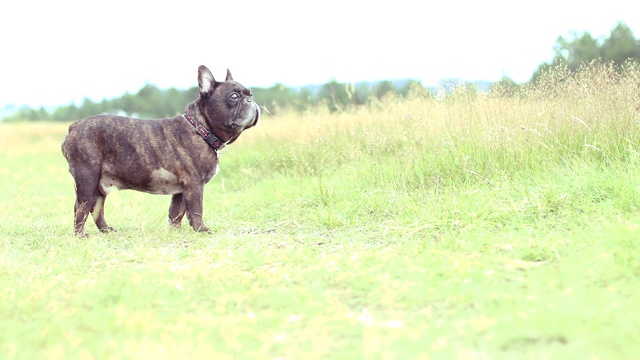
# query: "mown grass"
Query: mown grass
460,226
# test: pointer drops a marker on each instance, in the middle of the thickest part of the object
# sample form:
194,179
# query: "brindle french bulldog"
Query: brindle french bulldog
174,156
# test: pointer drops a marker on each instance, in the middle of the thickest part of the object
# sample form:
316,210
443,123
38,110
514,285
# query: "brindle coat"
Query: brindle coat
164,156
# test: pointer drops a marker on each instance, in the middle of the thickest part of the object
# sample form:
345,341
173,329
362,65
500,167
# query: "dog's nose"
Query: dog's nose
247,92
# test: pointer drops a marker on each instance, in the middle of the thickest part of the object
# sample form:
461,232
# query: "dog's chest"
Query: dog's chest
212,173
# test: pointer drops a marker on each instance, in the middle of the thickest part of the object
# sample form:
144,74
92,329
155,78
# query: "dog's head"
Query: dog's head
227,106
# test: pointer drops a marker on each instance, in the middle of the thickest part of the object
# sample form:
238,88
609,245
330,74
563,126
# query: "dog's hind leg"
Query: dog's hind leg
87,194
80,217
176,210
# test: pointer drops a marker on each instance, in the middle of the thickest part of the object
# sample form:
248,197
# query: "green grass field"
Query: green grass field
462,226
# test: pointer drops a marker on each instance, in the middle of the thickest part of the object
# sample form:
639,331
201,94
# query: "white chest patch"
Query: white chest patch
164,182
212,173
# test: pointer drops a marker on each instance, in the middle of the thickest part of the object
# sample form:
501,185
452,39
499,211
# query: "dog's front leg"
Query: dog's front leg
176,210
192,198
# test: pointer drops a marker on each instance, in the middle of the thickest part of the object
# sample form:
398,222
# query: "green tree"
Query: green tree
28,114
88,108
275,98
66,113
411,88
383,88
148,101
361,94
127,103
620,46
303,99
335,95
575,52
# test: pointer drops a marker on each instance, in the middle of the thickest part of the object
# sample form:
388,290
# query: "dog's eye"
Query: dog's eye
234,96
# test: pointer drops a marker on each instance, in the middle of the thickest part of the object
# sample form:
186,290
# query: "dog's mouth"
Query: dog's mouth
255,121
248,114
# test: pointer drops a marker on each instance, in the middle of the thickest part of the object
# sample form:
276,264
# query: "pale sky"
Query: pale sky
56,52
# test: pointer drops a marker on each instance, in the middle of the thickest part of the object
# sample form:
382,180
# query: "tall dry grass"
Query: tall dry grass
590,117
587,117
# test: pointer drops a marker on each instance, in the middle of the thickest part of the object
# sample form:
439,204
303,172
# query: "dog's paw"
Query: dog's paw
203,229
108,229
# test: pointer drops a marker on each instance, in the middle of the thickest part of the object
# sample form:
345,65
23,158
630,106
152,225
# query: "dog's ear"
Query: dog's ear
205,80
229,77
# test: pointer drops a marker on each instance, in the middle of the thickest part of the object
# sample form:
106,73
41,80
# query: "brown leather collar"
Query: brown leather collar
207,135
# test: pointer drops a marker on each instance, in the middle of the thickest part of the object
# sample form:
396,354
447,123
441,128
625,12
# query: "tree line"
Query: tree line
579,49
151,102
